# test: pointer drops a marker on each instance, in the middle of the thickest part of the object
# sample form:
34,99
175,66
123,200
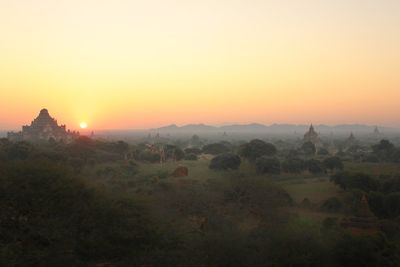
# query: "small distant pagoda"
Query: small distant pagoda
312,136
364,221
43,128
377,133
351,140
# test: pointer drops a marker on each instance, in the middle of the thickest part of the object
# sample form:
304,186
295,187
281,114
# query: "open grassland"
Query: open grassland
152,180
375,169
316,190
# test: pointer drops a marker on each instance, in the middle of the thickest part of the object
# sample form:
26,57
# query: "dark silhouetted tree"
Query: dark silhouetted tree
226,161
257,148
268,165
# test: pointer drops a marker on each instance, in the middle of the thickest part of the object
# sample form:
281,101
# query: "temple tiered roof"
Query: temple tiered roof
43,127
311,136
363,222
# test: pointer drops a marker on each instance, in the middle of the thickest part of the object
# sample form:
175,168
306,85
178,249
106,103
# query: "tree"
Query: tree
268,165
340,179
19,151
216,149
293,165
226,161
323,152
50,218
359,181
193,150
309,148
391,184
333,163
385,151
174,152
122,148
257,148
383,146
315,166
195,141
148,156
83,148
332,204
365,250
191,157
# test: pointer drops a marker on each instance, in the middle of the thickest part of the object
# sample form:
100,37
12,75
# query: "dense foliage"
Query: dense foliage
92,202
226,161
257,148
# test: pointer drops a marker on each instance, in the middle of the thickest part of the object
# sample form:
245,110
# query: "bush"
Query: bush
49,218
267,165
227,161
293,165
130,169
257,148
191,157
332,204
323,152
148,156
315,166
193,150
216,149
358,181
174,152
309,149
333,163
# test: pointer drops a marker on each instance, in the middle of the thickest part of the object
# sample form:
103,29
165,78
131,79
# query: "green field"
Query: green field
376,169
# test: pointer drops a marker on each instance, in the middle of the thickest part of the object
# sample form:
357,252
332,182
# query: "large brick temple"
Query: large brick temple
43,128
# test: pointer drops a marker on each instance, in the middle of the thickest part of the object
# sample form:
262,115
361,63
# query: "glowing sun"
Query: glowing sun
83,125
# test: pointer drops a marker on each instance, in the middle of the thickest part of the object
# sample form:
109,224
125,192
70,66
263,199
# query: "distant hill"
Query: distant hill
274,128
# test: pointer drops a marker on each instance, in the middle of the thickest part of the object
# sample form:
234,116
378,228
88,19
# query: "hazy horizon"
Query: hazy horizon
216,125
134,64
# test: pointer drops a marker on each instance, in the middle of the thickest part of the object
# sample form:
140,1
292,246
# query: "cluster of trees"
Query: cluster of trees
383,192
51,216
226,161
385,151
264,156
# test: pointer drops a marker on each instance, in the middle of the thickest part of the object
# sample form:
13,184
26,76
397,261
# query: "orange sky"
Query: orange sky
138,64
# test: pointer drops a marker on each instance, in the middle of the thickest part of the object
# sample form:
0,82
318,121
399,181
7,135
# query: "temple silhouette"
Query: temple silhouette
43,128
312,136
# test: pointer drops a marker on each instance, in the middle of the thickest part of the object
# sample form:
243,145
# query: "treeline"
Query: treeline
52,215
383,192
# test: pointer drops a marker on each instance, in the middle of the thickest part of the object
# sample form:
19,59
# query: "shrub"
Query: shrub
358,181
257,148
267,165
323,152
63,222
309,148
332,204
174,152
148,156
315,166
333,163
193,150
191,157
216,149
227,161
293,165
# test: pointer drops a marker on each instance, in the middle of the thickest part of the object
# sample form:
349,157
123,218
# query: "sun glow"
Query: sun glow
83,125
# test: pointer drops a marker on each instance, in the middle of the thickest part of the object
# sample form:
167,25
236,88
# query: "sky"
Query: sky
126,64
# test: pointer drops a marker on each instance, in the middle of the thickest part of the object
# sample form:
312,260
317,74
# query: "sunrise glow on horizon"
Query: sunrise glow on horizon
140,64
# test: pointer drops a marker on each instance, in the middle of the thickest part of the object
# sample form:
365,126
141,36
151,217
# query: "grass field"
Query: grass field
316,189
375,169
